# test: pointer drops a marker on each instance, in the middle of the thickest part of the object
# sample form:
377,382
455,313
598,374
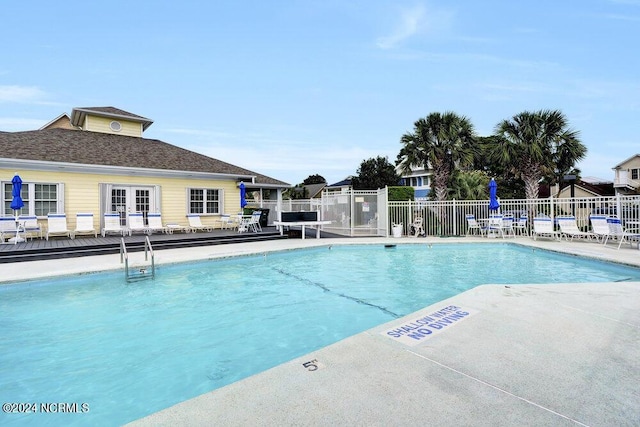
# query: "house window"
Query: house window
635,173
46,199
39,199
204,201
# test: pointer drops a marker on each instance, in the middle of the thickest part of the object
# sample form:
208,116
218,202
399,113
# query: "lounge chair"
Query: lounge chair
155,223
84,224
520,227
136,223
30,226
57,226
8,228
112,225
543,227
599,227
195,224
617,231
569,228
473,226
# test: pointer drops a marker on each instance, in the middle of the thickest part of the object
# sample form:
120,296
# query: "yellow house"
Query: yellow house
97,161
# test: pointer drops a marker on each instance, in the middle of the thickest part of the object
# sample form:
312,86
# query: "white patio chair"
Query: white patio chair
543,227
195,223
57,226
246,223
135,223
494,226
154,221
569,228
84,224
618,232
520,227
506,226
255,221
30,226
112,225
473,226
227,222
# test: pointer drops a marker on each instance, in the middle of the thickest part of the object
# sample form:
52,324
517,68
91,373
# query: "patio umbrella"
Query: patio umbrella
493,195
16,202
243,195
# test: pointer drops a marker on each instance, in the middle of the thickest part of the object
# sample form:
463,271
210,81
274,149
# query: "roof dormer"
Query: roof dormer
109,120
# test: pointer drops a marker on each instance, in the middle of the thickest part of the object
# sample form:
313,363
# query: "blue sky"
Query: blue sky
295,88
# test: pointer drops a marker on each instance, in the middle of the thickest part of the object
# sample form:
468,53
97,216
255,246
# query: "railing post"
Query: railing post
455,218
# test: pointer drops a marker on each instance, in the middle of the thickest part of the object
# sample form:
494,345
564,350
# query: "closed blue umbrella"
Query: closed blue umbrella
493,195
243,195
16,202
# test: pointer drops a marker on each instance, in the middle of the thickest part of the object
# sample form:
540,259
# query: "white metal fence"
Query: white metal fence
448,218
368,213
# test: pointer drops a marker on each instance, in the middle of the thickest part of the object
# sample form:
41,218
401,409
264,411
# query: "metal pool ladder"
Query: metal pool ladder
142,272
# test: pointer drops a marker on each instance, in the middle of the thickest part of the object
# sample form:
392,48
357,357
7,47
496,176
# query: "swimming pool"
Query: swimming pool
128,350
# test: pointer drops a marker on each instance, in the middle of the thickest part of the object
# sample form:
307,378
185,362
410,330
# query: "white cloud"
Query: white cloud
20,94
414,21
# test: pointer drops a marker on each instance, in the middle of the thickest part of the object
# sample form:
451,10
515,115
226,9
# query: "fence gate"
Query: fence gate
356,212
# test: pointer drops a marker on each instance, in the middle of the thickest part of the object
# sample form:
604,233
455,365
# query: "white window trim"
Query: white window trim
32,196
220,201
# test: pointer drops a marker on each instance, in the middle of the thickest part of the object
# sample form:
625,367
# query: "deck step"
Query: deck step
184,241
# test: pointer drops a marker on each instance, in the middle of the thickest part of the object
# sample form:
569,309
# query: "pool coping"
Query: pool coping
531,355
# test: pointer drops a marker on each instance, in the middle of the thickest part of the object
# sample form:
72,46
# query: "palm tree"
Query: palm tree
469,185
440,142
536,145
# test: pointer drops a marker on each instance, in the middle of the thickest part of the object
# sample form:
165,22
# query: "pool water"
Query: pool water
128,350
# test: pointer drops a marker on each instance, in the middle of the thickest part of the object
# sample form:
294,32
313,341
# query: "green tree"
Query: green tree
469,185
440,142
537,145
375,173
510,187
314,179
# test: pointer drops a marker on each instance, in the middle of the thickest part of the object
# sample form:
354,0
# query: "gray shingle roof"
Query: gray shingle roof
81,147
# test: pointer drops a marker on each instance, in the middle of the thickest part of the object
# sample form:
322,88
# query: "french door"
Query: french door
127,199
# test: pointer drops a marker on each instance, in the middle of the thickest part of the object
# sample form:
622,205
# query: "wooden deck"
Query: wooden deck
63,247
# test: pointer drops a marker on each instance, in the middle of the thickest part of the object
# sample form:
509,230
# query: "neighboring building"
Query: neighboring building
627,179
420,180
585,187
340,186
314,191
97,161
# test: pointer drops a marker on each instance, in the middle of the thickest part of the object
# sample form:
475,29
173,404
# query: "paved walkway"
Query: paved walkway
531,355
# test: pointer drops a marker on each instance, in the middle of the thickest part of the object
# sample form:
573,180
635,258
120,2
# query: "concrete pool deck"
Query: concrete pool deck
564,354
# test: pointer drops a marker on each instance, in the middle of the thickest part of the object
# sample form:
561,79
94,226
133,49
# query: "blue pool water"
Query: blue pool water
128,350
